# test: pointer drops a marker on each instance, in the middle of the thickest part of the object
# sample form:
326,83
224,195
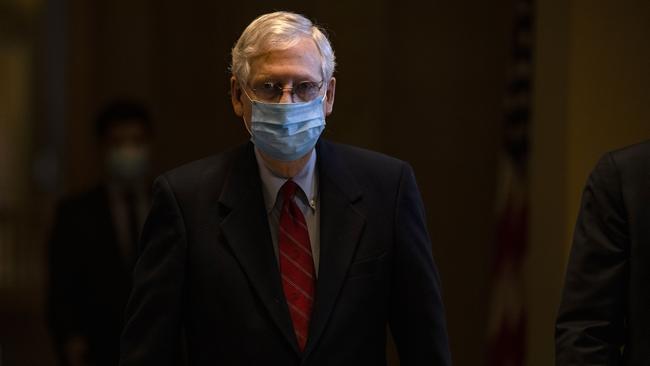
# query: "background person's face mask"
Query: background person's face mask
128,163
286,131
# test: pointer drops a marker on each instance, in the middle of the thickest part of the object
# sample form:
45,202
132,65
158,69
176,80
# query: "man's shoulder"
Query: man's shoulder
632,159
632,155
360,158
211,166
365,169
627,166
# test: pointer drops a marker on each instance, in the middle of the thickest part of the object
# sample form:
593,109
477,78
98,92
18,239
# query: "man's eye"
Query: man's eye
268,86
306,87
301,87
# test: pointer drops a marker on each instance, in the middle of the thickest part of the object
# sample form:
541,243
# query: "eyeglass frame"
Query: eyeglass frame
280,90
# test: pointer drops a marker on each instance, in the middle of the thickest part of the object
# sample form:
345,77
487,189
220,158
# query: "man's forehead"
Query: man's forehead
300,60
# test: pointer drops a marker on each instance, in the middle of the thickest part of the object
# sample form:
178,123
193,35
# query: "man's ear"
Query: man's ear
329,101
236,97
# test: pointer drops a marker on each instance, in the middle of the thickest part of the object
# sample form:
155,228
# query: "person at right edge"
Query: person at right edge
604,315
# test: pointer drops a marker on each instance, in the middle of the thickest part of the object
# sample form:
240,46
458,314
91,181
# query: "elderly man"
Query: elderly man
289,250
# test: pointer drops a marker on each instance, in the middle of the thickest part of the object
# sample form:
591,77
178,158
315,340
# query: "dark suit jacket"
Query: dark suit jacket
604,317
89,280
208,266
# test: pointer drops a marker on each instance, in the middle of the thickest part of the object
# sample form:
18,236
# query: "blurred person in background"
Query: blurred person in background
92,248
604,316
290,249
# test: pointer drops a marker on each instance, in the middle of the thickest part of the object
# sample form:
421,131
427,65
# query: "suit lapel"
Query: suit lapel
246,230
341,226
245,227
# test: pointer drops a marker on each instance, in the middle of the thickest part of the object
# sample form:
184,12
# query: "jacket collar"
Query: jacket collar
245,227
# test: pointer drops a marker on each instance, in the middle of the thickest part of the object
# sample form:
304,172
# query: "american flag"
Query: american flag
507,321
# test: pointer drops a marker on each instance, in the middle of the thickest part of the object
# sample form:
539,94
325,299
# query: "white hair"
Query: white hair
279,31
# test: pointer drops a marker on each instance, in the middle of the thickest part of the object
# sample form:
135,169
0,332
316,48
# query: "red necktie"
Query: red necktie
296,263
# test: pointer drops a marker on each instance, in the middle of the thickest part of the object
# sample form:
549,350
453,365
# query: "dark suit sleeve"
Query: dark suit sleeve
590,326
151,335
417,316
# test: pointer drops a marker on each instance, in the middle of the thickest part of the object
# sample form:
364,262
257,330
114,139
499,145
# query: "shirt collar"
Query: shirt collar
305,179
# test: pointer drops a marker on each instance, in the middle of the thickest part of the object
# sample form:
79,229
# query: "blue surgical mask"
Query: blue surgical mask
287,131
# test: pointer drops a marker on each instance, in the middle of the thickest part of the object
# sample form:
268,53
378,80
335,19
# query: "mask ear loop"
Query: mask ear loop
244,118
246,126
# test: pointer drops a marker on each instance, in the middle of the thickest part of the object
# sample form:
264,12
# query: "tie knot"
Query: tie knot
288,190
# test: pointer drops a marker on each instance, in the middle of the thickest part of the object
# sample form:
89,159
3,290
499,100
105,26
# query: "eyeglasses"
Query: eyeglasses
271,92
